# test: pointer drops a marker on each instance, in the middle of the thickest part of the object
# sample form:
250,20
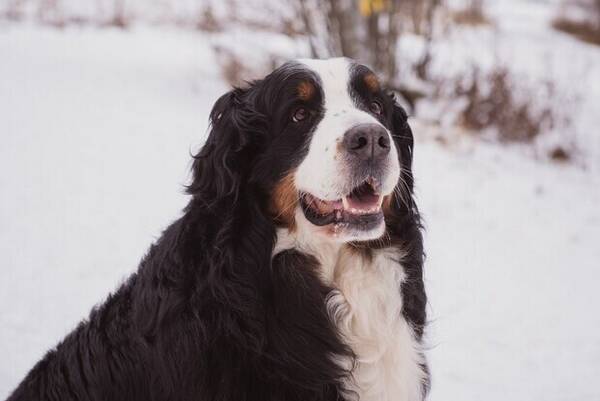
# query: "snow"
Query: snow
97,127
512,272
521,39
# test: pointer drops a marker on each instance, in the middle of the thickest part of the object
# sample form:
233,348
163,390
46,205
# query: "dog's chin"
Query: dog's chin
354,233
357,216
366,228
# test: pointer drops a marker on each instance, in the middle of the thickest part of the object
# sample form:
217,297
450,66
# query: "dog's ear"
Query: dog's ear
236,132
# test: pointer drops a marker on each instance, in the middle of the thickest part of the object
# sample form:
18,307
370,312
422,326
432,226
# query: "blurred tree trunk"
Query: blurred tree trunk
373,42
343,24
119,17
390,69
422,67
368,30
304,12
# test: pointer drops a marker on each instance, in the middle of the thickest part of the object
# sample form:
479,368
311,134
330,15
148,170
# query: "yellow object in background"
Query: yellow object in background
369,7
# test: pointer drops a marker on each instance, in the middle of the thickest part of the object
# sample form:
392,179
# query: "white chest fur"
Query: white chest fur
366,306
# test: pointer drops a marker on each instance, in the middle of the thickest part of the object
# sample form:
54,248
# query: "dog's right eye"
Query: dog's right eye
299,114
376,107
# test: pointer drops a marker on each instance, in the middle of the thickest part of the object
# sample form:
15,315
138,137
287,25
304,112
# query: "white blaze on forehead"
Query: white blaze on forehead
334,74
324,171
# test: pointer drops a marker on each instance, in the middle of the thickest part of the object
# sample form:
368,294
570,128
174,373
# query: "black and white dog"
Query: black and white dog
295,272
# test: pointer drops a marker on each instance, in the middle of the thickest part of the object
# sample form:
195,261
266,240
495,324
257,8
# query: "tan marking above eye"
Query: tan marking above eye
306,90
372,82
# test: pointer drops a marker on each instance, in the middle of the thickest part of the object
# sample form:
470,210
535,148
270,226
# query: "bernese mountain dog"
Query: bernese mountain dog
294,273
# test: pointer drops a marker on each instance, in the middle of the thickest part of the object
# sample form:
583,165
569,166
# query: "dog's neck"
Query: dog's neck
301,238
366,305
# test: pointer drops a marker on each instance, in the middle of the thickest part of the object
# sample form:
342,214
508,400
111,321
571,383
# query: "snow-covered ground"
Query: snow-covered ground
97,127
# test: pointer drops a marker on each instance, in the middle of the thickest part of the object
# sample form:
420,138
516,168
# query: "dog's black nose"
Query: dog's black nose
367,142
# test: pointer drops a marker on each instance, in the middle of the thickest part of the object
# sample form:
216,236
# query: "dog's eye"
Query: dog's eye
299,114
376,107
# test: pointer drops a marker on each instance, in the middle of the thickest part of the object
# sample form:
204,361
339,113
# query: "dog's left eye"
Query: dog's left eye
300,114
376,107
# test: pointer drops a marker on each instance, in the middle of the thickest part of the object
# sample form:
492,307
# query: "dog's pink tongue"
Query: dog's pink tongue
325,207
364,201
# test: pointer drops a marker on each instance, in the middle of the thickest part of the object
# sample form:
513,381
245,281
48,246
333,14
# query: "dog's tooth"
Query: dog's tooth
345,203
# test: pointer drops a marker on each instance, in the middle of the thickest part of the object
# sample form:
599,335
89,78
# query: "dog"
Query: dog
295,272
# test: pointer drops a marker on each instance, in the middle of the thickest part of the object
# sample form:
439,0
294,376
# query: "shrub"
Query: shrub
493,101
580,18
472,14
583,30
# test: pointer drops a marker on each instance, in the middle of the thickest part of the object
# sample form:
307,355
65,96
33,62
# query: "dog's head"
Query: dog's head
318,142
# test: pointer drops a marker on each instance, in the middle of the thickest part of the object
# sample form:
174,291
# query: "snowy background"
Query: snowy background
97,126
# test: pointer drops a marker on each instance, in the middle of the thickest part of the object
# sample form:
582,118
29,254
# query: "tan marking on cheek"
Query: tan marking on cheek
386,205
372,82
306,90
340,147
284,201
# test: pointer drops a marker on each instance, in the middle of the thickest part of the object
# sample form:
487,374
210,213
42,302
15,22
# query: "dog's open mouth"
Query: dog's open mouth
360,208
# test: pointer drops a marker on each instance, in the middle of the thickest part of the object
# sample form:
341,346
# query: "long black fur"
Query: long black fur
211,314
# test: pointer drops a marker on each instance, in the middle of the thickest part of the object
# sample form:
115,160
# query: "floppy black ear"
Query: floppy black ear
403,137
237,130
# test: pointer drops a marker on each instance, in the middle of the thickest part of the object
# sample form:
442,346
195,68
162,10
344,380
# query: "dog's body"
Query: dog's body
295,272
